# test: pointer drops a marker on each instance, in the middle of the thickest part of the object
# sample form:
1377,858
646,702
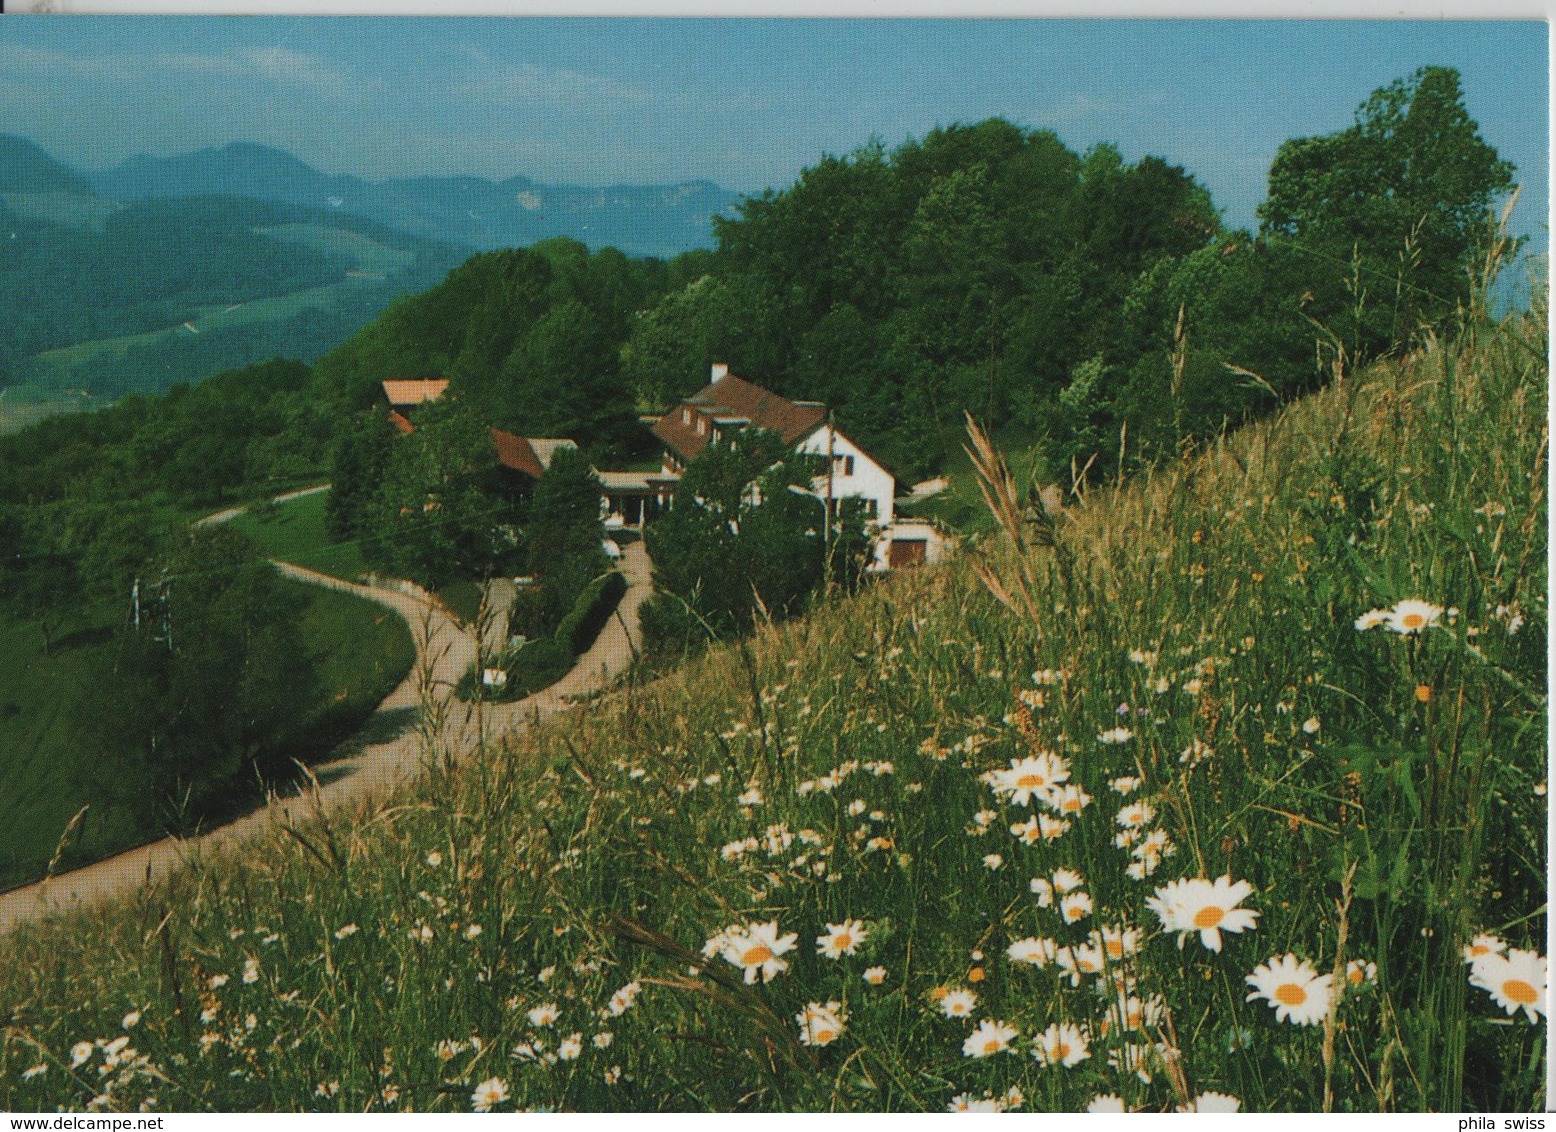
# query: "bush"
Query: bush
590,612
542,662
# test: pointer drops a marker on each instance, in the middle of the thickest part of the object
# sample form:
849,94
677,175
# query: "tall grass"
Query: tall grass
541,928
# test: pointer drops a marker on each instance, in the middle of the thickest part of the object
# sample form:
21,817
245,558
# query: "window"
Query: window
843,465
686,416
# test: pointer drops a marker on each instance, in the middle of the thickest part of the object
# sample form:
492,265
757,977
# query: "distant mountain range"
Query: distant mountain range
169,269
642,220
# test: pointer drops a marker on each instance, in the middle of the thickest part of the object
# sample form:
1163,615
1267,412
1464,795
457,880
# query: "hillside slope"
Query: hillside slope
917,851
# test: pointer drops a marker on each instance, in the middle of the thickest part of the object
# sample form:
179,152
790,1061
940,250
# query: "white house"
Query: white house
728,403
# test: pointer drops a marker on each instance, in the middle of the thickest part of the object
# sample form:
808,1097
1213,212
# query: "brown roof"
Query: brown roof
530,455
401,422
731,396
413,391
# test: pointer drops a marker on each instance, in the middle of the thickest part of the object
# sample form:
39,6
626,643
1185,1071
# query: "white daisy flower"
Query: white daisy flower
1125,785
989,1038
841,939
820,1024
1067,880
489,1094
545,1014
1062,1044
1034,952
1106,1102
1074,907
875,976
1413,616
1206,907
755,948
1212,1102
958,1004
1115,735
1515,981
1299,994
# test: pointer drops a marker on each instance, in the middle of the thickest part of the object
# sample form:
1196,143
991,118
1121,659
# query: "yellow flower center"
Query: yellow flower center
1134,1020
1356,975
1061,1051
824,1035
1115,948
1520,992
1071,805
992,1045
1030,781
1208,917
1413,620
842,941
755,956
1291,994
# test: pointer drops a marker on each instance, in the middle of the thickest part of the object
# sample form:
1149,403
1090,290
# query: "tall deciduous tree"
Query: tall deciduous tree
1401,198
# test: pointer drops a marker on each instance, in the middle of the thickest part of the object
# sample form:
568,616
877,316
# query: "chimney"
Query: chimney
720,369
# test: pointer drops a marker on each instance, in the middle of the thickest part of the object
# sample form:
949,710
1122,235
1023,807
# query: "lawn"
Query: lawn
47,763
294,532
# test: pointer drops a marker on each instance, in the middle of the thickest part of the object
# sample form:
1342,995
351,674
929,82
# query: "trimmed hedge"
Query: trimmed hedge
590,612
543,661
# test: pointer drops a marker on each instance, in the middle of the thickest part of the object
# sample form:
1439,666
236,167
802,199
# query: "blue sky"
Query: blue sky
746,103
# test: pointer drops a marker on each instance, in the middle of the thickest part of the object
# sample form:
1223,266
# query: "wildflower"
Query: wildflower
1515,981
1116,735
447,1049
327,1089
1135,1013
434,859
1071,799
1359,971
1033,775
989,1038
875,976
1061,1044
841,939
1484,944
992,861
966,1102
1194,754
1074,907
472,930
958,1003
1299,994
1371,620
1035,952
1125,785
1208,907
820,1025
1412,616
1136,815
544,1014
756,948
346,930
1126,837
1067,880
1134,1057
1106,1102
1212,1102
131,1019
79,1053
1116,943
1423,693
570,1047
977,974
622,1000
1051,829
1043,889
488,1094
603,1039
35,1071
216,982
1046,677
752,797
1142,656
856,807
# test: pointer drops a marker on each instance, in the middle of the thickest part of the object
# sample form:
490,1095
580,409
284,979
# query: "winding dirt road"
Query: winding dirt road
390,749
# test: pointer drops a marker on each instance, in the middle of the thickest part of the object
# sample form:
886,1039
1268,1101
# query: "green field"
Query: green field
294,532
361,651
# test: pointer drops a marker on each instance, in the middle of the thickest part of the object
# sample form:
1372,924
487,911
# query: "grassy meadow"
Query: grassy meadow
1194,796
361,651
294,532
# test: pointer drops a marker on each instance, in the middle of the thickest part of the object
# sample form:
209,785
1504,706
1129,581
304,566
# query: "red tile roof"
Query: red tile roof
414,391
530,455
731,396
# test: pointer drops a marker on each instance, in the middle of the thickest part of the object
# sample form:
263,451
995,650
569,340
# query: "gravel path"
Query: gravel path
360,772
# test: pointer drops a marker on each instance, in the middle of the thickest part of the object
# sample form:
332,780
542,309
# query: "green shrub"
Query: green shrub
590,612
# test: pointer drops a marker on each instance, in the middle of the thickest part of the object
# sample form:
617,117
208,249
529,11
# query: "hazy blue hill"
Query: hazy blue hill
658,220
135,293
25,168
